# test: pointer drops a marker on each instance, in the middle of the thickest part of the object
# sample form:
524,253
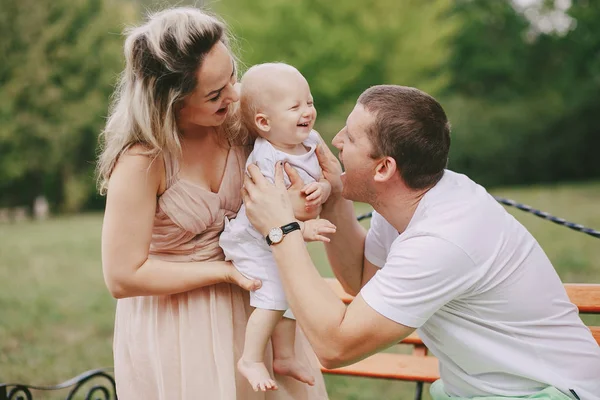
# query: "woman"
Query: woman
172,168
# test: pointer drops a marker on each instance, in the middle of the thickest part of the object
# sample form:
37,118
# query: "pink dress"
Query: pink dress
186,346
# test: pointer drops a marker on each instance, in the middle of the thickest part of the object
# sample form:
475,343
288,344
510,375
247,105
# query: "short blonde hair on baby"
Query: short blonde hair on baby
256,82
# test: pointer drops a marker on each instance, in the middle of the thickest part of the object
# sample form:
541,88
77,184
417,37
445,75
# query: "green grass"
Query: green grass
56,317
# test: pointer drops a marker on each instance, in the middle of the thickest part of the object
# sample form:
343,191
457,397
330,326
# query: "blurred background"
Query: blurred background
519,79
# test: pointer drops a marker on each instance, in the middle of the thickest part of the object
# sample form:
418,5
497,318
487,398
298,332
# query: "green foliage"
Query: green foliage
342,47
60,63
523,104
523,107
487,50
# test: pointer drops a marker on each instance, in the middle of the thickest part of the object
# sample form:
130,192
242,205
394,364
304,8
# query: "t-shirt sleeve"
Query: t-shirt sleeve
264,156
379,238
313,138
420,276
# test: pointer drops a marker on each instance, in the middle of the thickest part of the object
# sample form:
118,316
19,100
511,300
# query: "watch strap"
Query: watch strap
285,229
292,226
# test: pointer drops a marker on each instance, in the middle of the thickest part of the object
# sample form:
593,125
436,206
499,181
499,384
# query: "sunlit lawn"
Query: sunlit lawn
56,317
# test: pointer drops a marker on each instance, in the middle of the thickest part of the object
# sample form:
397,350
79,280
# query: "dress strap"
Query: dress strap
171,168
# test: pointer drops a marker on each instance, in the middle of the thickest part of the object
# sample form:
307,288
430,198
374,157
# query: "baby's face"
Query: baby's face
290,111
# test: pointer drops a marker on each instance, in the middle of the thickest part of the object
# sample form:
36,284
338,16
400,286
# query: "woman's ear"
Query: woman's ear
262,122
385,169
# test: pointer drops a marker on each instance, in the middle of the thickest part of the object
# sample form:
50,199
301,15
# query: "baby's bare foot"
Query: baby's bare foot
291,367
257,375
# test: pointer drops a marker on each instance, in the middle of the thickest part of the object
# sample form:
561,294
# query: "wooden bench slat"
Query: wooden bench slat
595,333
337,288
585,296
402,366
421,368
413,339
393,366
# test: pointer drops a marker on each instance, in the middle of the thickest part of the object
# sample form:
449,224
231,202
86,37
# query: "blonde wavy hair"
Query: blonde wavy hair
162,57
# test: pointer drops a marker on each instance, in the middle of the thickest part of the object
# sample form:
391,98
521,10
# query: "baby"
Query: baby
277,107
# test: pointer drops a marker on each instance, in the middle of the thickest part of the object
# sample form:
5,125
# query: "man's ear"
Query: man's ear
262,122
385,169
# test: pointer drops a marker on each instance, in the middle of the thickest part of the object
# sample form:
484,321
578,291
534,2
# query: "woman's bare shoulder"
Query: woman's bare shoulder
139,161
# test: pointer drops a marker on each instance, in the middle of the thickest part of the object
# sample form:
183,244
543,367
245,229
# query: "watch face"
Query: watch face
276,235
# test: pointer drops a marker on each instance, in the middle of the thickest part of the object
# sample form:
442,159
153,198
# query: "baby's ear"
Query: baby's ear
262,122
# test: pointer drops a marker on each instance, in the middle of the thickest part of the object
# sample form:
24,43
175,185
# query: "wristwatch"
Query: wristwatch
276,234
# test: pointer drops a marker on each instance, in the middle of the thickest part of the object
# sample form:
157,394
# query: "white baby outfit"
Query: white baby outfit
244,246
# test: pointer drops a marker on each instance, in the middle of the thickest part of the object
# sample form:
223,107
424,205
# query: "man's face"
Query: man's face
355,148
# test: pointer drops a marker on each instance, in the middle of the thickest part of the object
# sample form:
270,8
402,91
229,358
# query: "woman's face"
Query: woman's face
215,90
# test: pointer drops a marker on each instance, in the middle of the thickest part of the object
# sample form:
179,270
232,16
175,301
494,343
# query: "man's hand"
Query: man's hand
298,197
316,229
316,193
267,205
332,169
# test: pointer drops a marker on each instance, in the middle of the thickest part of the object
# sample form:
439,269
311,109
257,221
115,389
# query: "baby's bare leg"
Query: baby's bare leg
284,355
258,331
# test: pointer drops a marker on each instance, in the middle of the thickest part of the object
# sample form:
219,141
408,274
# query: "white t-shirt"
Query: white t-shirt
484,297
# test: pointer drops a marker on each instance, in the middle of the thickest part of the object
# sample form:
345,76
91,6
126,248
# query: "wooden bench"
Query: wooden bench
423,368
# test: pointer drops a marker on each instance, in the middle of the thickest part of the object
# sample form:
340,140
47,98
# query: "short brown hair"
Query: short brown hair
411,127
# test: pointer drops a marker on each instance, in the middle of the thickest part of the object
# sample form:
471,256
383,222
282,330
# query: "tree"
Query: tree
342,48
523,106
59,64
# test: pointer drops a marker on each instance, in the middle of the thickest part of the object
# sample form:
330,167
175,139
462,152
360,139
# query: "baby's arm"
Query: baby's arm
316,229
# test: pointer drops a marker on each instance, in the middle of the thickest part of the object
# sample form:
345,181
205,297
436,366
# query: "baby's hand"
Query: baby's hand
314,229
316,193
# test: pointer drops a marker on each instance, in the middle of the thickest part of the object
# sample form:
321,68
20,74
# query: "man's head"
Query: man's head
276,104
393,131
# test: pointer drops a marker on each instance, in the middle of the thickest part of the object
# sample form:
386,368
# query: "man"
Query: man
441,256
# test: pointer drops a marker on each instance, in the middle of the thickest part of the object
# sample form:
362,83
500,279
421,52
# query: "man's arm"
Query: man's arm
339,335
421,274
346,250
369,271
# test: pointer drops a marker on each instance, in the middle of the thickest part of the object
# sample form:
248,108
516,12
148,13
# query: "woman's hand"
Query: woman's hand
232,275
267,205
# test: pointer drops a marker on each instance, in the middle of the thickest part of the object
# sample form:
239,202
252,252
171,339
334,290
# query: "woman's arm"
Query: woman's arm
127,231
